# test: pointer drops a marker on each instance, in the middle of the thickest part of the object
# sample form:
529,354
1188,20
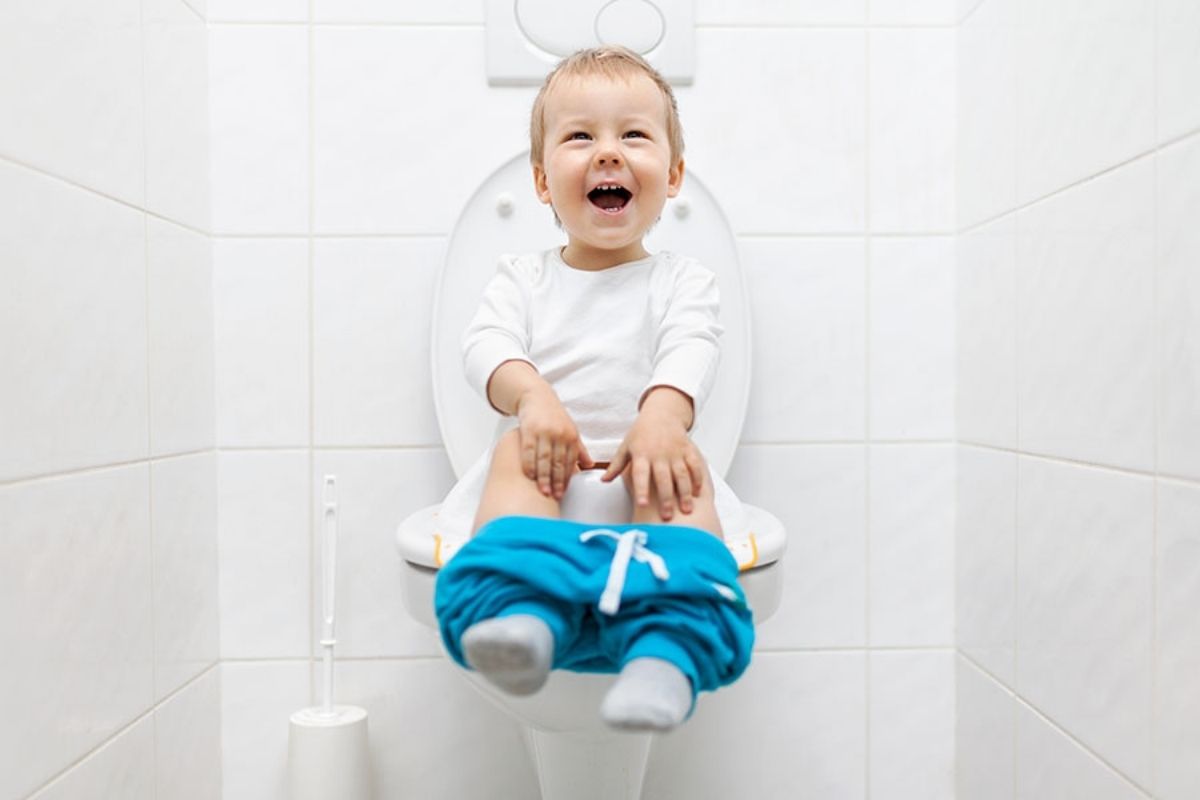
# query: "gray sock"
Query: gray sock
512,652
650,695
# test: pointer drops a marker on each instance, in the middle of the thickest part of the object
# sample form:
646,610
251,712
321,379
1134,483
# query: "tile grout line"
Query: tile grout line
868,252
312,357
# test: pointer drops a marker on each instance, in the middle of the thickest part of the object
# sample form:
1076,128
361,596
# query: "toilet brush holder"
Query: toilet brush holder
328,756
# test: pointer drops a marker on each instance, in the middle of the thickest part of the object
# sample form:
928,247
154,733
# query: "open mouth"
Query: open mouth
609,197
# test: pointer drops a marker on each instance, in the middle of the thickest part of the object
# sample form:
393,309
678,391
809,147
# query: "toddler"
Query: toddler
599,354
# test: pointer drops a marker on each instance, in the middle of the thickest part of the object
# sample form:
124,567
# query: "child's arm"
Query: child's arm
550,443
659,452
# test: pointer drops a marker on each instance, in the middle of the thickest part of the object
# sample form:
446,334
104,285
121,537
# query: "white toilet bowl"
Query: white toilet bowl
576,757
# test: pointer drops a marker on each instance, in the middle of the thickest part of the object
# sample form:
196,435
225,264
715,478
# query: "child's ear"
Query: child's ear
675,178
540,184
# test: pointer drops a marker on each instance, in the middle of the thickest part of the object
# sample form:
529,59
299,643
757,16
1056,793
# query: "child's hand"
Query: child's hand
550,443
659,453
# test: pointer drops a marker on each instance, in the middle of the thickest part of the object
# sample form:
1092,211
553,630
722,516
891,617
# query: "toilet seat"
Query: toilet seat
505,216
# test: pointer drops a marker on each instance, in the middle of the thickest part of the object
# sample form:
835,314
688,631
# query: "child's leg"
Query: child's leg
508,491
654,691
703,514
515,649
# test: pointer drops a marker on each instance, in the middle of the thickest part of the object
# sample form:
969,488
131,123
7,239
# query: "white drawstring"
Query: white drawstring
630,544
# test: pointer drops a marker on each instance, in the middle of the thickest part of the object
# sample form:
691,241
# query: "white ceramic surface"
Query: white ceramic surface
985,735
806,152
809,331
183,494
259,143
986,113
72,327
1085,597
911,338
1178,297
265,551
985,371
377,169
1178,697
1050,764
912,725
911,129
985,550
371,320
1178,69
181,362
1085,96
187,736
261,323
123,767
258,10
256,700
1085,299
911,550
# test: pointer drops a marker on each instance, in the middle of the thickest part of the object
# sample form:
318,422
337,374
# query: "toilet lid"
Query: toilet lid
505,216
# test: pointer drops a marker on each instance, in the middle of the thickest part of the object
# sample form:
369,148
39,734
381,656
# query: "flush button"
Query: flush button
637,24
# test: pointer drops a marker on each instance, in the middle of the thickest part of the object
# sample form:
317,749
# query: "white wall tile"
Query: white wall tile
781,12
1085,99
1178,51
375,491
261,323
912,338
792,726
912,12
1085,300
911,561
182,391
187,733
1051,765
177,168
258,110
912,130
1178,241
798,164
184,520
809,334
985,557
986,113
1085,565
75,578
819,493
986,335
71,90
265,547
401,11
376,171
123,767
1177,689
256,701
372,313
72,327
434,735
912,725
258,10
985,761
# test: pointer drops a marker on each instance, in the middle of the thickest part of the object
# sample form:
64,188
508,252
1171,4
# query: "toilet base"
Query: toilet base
588,766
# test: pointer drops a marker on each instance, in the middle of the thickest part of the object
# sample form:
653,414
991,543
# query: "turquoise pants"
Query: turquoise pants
678,600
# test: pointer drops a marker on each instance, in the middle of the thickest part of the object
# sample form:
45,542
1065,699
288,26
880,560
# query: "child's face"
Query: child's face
602,132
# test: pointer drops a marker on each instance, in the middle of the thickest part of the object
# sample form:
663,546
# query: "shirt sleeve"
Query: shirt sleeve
687,349
499,331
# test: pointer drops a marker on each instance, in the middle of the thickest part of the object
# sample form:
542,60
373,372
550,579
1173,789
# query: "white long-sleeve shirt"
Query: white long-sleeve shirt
600,338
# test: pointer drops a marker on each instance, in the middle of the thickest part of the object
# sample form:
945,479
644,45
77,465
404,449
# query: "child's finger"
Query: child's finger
666,489
584,459
617,465
640,472
695,466
544,455
683,485
558,469
529,455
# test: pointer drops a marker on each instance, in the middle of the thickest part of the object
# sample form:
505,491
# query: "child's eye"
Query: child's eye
635,135
578,136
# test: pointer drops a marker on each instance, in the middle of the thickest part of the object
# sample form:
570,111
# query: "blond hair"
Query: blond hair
611,61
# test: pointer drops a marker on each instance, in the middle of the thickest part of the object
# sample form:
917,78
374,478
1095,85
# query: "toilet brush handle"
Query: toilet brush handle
328,586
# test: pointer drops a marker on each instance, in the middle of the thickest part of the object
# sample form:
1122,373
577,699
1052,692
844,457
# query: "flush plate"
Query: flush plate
526,38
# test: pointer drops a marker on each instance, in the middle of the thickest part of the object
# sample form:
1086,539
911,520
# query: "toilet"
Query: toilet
575,755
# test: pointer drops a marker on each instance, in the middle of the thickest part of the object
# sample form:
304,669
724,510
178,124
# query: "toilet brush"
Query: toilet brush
327,744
